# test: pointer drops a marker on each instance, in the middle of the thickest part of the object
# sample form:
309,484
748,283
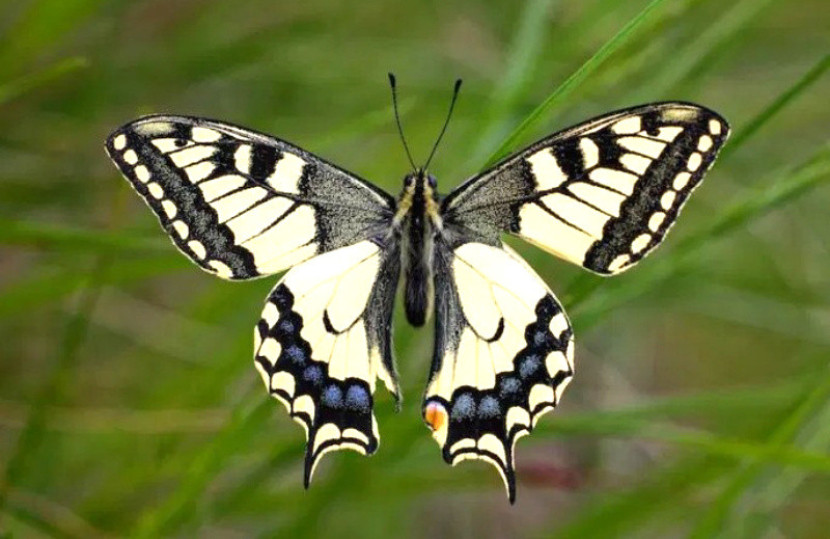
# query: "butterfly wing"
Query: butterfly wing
241,204
602,194
323,340
503,354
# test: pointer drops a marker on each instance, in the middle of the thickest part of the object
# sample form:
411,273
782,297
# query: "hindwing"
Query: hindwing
323,340
601,194
241,204
503,355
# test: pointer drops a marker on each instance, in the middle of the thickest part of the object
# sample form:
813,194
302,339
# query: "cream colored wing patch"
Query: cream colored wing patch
602,194
503,356
323,340
241,204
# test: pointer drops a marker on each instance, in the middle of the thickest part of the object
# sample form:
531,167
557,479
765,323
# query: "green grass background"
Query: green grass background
129,405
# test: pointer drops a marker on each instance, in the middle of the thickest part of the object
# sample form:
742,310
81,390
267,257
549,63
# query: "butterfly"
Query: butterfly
242,205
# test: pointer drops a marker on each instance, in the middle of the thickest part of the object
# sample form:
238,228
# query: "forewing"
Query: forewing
503,355
241,204
323,340
601,194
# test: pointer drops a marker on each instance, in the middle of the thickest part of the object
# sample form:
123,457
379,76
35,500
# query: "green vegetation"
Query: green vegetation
129,405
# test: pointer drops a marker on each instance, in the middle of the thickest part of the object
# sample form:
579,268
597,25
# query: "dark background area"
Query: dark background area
129,404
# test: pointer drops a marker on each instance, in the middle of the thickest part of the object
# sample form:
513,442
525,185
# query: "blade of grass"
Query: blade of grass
698,54
50,517
615,514
246,418
522,58
50,287
27,83
23,451
783,99
701,441
713,522
779,488
43,24
63,237
572,82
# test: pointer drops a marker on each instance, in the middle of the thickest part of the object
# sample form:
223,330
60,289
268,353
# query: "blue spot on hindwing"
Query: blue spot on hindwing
357,398
489,407
332,396
529,365
464,407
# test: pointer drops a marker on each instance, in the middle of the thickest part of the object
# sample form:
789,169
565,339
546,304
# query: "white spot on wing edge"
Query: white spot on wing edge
221,269
131,157
694,161
715,127
142,173
656,220
618,263
169,208
198,248
640,243
155,190
681,180
181,229
667,200
119,142
705,143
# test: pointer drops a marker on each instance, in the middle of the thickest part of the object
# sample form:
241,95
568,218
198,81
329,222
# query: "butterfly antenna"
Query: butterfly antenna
446,122
398,119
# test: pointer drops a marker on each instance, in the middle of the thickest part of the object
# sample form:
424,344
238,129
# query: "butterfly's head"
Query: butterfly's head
419,179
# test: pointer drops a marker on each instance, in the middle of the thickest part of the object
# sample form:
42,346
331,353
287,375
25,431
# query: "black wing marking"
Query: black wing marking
601,194
323,340
242,204
503,355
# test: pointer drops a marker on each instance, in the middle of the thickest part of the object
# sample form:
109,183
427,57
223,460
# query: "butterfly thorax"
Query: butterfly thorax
417,219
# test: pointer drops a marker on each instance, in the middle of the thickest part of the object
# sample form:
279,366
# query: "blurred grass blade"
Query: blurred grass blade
22,85
699,52
714,519
783,99
703,441
49,517
245,419
25,447
63,237
528,41
778,490
51,287
43,24
572,82
664,489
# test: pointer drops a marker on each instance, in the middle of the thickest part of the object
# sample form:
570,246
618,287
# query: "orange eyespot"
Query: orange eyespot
435,415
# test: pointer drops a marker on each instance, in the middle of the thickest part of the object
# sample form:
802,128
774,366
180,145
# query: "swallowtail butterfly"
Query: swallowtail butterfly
241,204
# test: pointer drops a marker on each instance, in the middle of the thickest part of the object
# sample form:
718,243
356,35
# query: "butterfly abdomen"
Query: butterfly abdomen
417,255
